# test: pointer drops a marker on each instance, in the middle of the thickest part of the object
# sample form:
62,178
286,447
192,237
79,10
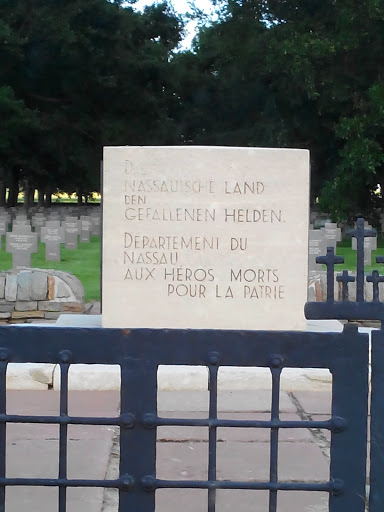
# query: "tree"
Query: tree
291,73
94,72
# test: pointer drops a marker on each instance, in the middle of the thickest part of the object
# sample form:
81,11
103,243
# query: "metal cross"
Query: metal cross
360,233
375,279
345,278
330,260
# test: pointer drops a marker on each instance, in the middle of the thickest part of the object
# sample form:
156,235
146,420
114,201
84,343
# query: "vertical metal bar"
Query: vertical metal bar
212,440
360,260
63,435
330,274
3,429
376,495
349,417
138,435
273,456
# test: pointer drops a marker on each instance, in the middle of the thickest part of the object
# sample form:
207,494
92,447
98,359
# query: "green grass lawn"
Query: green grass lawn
83,263
344,249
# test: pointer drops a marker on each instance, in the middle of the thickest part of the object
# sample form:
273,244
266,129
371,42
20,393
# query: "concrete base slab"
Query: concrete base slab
95,377
29,376
33,450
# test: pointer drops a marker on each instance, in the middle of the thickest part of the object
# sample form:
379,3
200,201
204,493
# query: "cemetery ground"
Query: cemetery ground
344,249
84,263
182,452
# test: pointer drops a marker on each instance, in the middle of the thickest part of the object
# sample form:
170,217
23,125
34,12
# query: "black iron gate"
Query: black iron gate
140,352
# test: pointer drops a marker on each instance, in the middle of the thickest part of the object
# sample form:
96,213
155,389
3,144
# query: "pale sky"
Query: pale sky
182,7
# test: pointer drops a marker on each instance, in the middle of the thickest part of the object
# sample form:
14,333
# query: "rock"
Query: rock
51,287
73,283
27,314
62,289
73,307
26,305
6,308
24,285
46,305
11,287
2,287
38,293
39,285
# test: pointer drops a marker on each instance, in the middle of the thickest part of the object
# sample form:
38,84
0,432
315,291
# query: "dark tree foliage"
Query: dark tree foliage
294,73
80,74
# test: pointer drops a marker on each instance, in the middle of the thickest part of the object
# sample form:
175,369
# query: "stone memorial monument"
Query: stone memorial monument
52,235
21,242
205,237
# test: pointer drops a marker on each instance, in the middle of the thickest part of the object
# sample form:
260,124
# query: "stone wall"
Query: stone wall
38,293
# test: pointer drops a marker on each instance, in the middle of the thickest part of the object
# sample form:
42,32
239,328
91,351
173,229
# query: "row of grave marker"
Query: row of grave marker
21,242
89,224
328,236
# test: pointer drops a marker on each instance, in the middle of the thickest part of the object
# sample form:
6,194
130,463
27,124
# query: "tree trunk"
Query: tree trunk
27,195
32,195
2,193
79,197
40,197
2,187
13,189
48,199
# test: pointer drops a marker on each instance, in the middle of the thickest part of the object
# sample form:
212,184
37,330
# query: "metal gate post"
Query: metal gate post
349,438
376,496
137,437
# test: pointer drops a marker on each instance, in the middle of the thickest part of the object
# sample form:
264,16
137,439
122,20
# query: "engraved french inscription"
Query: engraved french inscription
205,237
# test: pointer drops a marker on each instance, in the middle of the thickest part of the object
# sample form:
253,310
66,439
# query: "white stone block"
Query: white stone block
90,377
29,376
170,378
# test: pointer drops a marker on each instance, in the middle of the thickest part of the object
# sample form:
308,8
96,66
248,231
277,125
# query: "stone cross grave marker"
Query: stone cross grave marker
21,242
85,228
317,246
21,221
38,221
54,215
95,224
205,237
71,228
332,234
52,235
370,244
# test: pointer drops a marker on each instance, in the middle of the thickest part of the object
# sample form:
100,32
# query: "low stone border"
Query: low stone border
317,287
38,294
